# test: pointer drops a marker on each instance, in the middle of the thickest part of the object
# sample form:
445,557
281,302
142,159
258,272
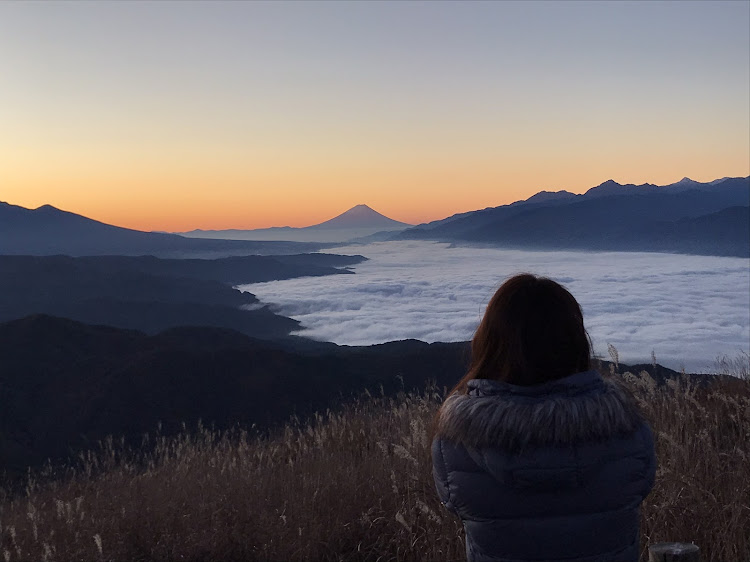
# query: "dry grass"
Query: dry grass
354,485
702,491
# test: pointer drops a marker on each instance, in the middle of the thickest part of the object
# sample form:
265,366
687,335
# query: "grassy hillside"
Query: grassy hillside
355,484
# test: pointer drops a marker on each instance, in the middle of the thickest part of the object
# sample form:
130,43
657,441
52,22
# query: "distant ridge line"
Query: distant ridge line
686,217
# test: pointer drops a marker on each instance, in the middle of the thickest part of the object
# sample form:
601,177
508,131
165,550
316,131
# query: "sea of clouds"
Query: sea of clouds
688,310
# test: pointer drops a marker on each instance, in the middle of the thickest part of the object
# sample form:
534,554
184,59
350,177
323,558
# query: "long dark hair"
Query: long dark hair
532,332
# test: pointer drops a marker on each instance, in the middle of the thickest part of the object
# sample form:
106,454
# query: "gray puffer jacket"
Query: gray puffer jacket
548,472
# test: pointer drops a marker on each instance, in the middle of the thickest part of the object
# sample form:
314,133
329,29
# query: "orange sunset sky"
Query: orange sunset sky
175,116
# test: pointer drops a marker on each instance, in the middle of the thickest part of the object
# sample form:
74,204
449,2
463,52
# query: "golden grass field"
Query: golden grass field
356,484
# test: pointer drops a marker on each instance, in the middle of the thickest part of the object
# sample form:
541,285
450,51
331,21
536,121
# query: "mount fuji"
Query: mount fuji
358,223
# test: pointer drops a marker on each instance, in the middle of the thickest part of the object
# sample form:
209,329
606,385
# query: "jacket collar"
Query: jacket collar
571,385
576,409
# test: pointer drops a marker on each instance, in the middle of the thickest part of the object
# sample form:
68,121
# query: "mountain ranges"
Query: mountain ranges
711,218
97,338
686,217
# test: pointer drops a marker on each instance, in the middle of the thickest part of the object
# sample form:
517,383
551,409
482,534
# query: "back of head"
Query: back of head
532,332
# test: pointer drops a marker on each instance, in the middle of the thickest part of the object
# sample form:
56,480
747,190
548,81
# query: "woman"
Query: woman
540,457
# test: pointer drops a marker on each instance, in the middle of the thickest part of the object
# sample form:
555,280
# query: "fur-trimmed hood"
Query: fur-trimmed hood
576,409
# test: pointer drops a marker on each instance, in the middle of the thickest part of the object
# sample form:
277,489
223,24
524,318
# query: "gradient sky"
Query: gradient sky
174,116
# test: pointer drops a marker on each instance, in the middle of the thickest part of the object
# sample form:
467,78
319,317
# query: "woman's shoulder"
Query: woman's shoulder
581,408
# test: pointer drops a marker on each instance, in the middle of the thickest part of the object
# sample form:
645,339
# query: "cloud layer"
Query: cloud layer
687,309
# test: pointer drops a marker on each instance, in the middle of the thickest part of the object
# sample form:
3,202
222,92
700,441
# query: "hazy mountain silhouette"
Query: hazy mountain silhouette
152,294
358,222
50,231
361,216
684,217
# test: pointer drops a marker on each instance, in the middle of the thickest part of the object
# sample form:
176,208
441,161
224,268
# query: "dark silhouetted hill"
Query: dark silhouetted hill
50,231
234,270
152,294
64,385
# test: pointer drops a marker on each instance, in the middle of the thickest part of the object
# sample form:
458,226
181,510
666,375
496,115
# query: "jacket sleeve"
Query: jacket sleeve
441,474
